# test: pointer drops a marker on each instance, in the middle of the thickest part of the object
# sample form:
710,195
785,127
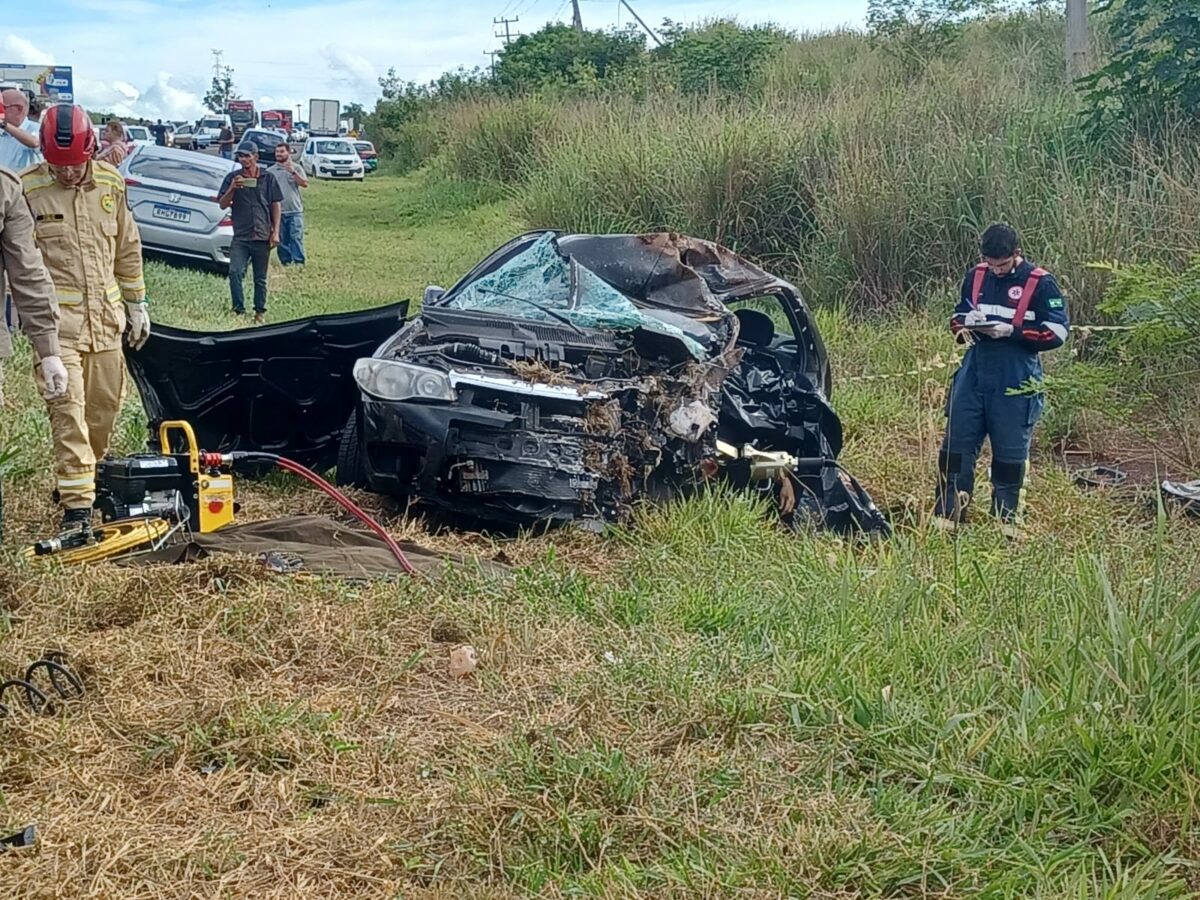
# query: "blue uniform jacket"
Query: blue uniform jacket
1010,362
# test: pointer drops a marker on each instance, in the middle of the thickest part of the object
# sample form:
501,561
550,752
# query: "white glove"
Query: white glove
137,323
997,330
974,317
54,377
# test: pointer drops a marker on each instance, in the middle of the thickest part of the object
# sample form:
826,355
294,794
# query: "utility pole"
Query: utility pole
493,54
633,13
217,64
1078,50
576,18
500,20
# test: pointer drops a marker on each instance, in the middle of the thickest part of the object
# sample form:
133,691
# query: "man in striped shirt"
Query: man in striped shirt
1010,311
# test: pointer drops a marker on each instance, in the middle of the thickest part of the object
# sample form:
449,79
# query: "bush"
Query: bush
720,55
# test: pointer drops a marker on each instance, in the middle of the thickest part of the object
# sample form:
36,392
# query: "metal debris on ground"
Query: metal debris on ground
56,678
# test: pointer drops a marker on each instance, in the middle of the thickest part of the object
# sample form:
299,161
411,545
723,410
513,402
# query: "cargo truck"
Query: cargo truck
323,117
279,119
241,116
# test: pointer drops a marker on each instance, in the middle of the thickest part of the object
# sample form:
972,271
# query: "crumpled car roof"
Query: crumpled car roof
672,271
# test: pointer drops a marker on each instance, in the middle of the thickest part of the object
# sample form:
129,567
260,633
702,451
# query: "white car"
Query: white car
330,157
139,134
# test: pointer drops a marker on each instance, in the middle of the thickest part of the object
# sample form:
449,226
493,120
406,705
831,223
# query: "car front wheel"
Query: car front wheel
351,468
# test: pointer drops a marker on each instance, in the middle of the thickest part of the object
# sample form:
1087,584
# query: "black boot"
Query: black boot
76,519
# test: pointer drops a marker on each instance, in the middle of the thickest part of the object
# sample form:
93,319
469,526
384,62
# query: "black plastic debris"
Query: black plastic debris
26,837
1101,477
1184,495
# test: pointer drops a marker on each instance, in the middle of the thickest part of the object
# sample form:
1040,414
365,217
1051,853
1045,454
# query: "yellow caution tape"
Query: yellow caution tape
937,363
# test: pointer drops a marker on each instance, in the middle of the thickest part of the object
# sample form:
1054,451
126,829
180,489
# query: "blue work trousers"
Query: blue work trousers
980,406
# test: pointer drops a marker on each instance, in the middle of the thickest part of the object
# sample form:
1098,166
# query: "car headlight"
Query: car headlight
387,379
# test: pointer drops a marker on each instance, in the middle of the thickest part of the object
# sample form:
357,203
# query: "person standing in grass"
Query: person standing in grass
1010,311
256,200
291,229
92,250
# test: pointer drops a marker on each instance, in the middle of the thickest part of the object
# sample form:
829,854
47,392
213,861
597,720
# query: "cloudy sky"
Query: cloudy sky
154,58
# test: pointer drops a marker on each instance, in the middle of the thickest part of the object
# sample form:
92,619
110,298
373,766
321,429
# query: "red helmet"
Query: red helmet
67,136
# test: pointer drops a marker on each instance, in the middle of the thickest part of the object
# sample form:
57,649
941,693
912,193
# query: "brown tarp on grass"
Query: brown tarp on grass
316,545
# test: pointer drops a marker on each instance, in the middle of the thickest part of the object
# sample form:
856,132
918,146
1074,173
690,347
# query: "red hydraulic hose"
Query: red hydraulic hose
338,497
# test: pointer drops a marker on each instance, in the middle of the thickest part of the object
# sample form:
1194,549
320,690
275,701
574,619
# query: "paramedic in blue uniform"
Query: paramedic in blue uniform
1010,312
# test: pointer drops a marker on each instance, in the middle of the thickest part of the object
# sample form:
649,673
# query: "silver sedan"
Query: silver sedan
173,197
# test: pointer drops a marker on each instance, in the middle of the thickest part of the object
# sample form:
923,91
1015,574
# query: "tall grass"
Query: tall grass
865,181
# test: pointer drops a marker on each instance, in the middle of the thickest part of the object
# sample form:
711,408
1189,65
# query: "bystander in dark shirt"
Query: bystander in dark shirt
251,210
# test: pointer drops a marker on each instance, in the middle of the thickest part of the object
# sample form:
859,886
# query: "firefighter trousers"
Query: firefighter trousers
82,421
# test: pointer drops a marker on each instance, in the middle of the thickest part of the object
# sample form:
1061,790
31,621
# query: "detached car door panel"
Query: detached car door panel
286,389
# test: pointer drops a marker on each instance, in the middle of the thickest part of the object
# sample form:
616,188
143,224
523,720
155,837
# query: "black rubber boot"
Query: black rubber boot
75,519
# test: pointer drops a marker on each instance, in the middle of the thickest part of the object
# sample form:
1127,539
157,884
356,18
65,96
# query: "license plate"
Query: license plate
342,172
173,213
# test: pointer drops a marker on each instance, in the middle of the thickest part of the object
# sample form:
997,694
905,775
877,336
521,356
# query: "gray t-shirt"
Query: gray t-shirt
290,190
252,206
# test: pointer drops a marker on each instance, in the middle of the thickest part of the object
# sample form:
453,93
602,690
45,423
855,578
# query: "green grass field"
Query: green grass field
699,705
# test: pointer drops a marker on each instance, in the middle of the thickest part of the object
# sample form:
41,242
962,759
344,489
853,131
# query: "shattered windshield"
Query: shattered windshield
543,284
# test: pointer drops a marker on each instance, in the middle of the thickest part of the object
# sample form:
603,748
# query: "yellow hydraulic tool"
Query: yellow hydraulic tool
148,498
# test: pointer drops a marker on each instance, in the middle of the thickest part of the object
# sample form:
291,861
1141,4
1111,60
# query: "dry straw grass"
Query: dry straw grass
251,735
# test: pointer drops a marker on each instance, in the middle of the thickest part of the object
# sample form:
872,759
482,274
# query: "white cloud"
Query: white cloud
168,98
350,71
18,50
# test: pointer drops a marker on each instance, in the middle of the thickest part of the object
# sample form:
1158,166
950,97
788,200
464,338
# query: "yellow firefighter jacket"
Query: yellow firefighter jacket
92,250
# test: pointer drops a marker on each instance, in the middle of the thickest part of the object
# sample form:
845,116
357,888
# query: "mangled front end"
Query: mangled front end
570,376
501,418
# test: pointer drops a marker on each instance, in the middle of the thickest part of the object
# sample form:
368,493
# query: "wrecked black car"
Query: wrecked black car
562,380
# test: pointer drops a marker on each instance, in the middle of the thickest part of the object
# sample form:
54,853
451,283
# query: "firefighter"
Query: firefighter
32,292
1010,311
91,247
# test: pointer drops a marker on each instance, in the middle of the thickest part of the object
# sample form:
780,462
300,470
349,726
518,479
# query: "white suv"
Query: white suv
331,157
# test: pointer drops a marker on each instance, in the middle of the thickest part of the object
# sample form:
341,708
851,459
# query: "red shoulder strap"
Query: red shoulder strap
1027,292
977,284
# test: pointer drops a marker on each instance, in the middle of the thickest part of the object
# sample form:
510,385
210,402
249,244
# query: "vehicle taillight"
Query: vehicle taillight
132,182
226,222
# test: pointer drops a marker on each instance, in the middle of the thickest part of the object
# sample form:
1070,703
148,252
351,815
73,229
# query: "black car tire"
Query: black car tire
351,471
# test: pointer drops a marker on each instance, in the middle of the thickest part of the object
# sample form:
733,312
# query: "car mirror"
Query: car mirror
433,294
